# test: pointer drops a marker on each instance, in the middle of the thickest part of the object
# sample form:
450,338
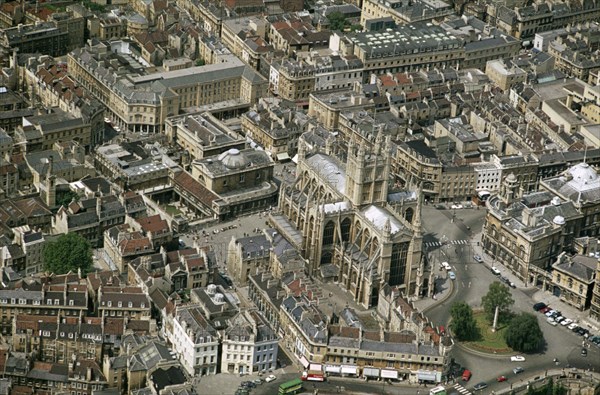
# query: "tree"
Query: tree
69,252
524,334
463,324
337,21
498,295
66,198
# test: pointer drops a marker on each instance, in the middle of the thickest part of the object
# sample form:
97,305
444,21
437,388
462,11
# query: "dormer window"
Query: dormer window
130,305
143,305
49,302
56,302
71,302
119,304
109,303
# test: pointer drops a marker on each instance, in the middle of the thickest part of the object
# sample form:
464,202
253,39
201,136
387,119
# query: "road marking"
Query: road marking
453,242
462,389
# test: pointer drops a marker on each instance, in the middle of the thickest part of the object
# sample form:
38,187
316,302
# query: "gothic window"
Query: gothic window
346,223
328,233
398,263
408,214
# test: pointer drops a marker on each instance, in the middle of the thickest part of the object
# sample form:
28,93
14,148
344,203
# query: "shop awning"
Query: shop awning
347,369
371,372
389,374
427,375
304,362
333,369
283,156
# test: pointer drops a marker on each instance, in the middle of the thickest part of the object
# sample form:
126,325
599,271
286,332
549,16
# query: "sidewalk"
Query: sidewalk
425,304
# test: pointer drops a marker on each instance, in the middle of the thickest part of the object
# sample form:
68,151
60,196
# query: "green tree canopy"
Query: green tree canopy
337,21
66,198
498,295
69,252
463,324
524,334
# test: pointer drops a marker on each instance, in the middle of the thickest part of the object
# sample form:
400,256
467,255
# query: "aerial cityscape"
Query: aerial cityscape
272,197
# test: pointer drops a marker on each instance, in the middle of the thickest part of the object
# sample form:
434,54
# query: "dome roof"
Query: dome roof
583,173
511,178
233,159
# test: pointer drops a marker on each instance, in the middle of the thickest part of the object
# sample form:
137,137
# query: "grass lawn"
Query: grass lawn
172,210
489,341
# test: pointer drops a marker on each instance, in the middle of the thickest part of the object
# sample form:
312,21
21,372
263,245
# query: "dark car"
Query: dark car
480,386
539,306
576,329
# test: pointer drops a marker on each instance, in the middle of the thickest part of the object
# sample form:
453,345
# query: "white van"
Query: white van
551,321
446,266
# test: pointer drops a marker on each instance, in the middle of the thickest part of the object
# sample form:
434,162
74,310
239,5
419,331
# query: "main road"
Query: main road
472,282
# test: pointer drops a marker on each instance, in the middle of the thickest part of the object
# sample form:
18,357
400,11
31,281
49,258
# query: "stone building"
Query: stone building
337,211
573,279
527,231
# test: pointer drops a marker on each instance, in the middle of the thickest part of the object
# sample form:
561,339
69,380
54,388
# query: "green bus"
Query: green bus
291,387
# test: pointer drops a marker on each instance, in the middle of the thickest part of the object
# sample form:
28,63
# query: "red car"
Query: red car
545,309
501,379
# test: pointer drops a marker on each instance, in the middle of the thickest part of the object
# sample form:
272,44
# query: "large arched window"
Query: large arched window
328,233
346,223
408,214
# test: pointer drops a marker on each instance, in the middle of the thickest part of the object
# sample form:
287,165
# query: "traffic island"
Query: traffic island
489,341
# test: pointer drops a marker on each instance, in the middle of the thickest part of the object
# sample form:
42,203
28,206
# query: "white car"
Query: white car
495,271
566,321
457,206
517,358
270,378
446,266
572,326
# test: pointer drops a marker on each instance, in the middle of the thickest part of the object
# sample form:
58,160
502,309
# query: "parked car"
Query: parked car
446,266
457,206
478,259
539,306
480,386
559,319
501,379
451,276
495,271
518,370
466,376
566,321
517,358
573,326
257,381
551,321
512,285
270,378
545,309
550,313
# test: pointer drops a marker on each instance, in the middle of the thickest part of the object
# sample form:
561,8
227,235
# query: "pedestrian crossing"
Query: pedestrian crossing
462,389
450,242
